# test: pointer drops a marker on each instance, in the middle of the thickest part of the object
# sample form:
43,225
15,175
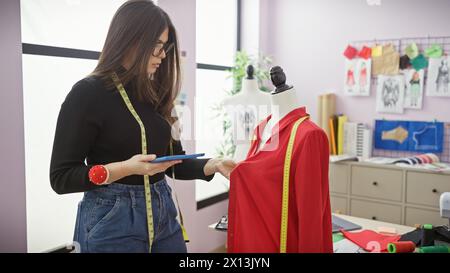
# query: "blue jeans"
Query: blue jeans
114,219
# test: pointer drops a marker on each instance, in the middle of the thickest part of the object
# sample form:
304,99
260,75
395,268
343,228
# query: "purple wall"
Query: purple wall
307,38
13,231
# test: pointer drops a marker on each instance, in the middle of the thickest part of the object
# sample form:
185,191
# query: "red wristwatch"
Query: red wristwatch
98,174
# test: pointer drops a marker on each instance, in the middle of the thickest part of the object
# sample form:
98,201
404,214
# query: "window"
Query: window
61,43
218,39
216,32
80,24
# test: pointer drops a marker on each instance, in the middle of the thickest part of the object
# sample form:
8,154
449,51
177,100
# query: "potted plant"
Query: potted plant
261,65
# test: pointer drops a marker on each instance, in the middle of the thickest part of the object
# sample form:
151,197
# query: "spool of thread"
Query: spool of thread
428,226
434,249
427,235
401,247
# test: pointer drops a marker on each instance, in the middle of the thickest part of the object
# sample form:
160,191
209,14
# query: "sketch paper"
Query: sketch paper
438,79
413,88
390,94
357,77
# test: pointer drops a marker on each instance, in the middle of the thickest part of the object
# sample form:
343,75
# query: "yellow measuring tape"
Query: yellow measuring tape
286,174
148,196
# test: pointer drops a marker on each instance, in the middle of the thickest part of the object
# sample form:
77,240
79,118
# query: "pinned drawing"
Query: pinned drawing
391,135
398,134
390,94
438,81
413,136
427,138
364,76
357,77
350,86
414,88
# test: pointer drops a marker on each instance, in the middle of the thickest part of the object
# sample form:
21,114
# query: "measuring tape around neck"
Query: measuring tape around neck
286,175
148,196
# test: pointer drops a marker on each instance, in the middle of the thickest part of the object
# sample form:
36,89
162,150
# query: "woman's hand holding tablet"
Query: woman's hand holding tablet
175,157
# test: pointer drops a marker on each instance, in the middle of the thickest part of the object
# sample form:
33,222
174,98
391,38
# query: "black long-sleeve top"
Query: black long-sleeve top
94,125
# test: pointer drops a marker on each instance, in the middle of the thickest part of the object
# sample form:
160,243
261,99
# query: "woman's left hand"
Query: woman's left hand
223,166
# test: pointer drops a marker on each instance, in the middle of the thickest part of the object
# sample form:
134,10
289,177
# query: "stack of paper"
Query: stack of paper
338,158
357,140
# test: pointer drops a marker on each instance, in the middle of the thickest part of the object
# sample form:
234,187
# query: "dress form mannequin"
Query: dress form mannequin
245,110
283,174
283,100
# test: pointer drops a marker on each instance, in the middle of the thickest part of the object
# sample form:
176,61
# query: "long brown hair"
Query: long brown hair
136,27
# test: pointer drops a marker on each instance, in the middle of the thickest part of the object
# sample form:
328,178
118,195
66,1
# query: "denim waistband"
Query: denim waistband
137,190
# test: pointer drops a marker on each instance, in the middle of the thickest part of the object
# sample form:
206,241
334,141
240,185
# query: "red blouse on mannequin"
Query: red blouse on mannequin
254,213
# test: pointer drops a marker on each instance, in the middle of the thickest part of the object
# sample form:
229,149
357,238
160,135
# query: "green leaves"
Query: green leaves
261,65
239,70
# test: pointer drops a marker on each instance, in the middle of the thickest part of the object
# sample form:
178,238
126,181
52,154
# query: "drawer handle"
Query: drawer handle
434,191
375,183
374,218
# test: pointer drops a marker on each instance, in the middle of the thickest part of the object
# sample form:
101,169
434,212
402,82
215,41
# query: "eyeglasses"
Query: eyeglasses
162,47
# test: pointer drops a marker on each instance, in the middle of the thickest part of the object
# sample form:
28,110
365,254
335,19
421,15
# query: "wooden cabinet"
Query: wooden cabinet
377,183
338,178
387,193
376,211
415,216
338,205
425,188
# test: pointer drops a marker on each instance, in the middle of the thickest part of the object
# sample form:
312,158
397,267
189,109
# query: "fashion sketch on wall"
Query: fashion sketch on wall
390,94
357,77
438,80
413,88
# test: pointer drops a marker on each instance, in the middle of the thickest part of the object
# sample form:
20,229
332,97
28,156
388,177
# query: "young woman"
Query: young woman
119,119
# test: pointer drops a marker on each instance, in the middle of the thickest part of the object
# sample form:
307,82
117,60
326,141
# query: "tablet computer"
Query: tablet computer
338,224
175,157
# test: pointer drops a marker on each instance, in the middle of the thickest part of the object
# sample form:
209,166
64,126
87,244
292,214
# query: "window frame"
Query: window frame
208,66
52,51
